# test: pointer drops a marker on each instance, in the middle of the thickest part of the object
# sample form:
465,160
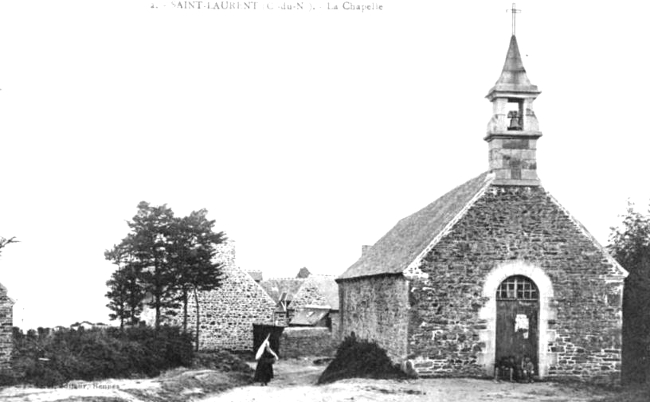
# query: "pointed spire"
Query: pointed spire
513,77
513,130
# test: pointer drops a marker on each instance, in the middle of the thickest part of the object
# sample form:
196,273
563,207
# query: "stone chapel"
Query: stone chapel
494,268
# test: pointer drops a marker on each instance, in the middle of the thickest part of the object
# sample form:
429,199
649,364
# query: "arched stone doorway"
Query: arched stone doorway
517,321
488,313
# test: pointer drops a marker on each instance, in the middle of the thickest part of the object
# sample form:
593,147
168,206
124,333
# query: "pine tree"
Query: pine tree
193,259
165,259
126,293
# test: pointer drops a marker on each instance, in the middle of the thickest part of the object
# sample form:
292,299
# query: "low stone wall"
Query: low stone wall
308,341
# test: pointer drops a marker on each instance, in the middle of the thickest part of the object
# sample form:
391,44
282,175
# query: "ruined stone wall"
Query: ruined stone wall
447,329
6,324
298,342
375,308
227,314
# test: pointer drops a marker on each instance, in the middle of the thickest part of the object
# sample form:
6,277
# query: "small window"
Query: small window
517,288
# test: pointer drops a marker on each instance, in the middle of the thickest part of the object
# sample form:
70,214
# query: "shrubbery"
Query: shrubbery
360,359
51,358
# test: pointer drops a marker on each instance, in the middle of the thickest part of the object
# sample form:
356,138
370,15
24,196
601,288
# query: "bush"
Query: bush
51,358
360,359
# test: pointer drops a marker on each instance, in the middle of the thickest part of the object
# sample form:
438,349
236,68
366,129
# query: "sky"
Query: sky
305,133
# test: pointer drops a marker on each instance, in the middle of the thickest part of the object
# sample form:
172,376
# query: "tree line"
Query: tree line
163,262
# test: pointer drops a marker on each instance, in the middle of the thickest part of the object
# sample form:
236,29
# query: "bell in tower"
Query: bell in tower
513,130
515,122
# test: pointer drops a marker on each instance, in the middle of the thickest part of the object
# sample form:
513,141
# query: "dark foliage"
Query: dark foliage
51,358
166,258
630,246
358,358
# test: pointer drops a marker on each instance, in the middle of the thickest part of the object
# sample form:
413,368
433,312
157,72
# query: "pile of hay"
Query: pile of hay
360,359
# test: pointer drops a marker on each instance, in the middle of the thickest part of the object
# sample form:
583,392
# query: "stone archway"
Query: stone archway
488,312
517,327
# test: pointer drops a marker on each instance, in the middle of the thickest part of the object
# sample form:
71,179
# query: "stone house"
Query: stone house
304,291
228,313
282,291
319,292
494,268
6,329
312,303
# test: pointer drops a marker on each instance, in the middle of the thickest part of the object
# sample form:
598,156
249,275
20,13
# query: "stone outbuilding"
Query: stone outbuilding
305,290
319,292
494,268
6,330
282,291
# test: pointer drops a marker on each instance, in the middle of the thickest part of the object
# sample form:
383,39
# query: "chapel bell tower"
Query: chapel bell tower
513,131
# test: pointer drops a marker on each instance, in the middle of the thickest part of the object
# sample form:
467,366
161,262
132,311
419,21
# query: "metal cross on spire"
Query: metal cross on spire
514,12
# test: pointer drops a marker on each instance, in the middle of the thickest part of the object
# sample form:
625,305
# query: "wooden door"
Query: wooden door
517,320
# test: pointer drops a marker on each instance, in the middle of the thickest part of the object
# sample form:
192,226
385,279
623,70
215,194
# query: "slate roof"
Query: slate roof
326,285
415,235
309,316
276,286
256,275
303,273
403,244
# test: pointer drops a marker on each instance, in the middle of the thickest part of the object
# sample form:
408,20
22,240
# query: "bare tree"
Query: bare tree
4,242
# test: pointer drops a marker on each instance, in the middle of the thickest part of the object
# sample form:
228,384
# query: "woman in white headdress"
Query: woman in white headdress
265,357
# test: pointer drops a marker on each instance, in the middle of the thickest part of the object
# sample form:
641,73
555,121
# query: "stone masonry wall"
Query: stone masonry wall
300,341
335,318
227,314
375,308
309,294
6,324
517,224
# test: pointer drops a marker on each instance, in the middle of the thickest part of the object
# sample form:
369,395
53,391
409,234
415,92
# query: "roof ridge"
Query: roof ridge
413,268
393,253
284,279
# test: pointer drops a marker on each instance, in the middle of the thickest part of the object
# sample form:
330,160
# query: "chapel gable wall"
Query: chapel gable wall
448,319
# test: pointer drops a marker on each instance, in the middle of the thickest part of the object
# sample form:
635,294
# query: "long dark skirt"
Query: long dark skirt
264,370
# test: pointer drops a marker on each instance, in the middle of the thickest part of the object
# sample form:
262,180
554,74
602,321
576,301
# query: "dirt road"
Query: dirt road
295,381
